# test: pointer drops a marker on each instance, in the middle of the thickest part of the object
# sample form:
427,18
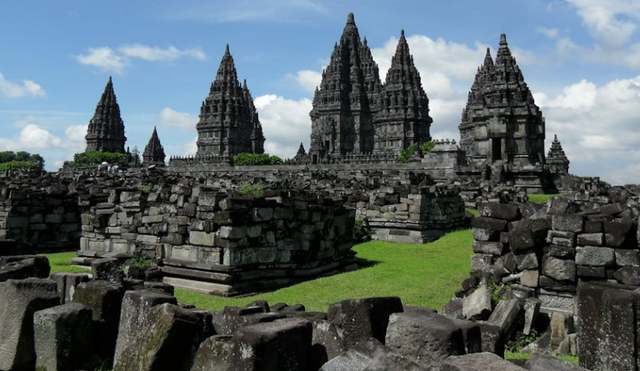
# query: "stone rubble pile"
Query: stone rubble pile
79,324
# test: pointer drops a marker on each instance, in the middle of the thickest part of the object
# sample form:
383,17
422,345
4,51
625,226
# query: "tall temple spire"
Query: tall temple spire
229,122
105,132
403,118
488,60
154,151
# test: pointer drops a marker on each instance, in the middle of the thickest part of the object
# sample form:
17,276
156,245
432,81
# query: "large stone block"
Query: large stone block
492,248
284,345
559,269
608,326
107,269
67,283
569,223
477,306
63,337
507,315
19,300
620,234
482,222
528,234
105,300
595,256
370,356
230,319
508,212
23,266
479,362
627,258
545,362
360,319
326,343
163,337
425,339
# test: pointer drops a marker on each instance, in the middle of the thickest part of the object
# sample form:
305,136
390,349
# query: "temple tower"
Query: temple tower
154,152
229,122
402,117
557,160
344,104
501,124
105,132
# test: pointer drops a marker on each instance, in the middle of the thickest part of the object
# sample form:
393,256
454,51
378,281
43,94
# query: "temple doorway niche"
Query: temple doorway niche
496,149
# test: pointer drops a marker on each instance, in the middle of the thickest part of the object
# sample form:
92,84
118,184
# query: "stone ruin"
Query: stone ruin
115,321
576,259
210,236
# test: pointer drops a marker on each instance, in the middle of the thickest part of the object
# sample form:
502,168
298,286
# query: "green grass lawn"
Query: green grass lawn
522,355
541,198
422,275
61,262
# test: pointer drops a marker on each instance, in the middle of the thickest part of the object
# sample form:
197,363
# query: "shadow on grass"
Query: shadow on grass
364,263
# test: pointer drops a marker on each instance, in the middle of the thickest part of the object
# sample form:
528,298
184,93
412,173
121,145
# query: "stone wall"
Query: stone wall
38,214
230,243
546,251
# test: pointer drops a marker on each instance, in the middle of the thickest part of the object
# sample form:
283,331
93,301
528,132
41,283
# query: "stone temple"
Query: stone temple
154,151
106,129
229,122
354,114
502,127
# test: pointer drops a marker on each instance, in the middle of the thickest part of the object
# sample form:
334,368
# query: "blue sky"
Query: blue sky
581,59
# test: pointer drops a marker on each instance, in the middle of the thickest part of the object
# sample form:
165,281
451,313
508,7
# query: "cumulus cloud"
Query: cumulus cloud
190,148
551,33
598,123
309,79
154,54
611,21
108,60
285,123
170,117
104,59
10,89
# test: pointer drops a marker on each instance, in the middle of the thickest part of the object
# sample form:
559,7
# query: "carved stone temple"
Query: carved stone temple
229,122
106,129
502,130
154,151
557,160
354,114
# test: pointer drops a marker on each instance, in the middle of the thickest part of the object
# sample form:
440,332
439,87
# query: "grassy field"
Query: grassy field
541,198
61,262
521,355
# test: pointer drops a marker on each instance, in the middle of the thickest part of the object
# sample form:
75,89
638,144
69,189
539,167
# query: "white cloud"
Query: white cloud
154,54
76,134
190,148
551,33
10,89
105,59
597,125
285,123
627,175
170,117
309,79
611,21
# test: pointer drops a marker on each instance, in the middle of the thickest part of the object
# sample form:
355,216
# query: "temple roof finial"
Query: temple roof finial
351,19
503,39
227,50
402,34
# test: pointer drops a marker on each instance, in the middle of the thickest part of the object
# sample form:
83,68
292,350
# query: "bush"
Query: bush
426,147
96,157
253,159
20,165
255,190
406,154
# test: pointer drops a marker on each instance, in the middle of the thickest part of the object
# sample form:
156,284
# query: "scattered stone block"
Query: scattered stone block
570,223
492,248
67,283
360,319
529,278
105,300
107,269
481,262
628,275
590,239
477,306
627,258
23,266
482,222
608,326
507,315
507,212
19,300
230,319
326,343
425,339
164,336
370,356
478,362
526,261
561,326
63,337
545,362
531,311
